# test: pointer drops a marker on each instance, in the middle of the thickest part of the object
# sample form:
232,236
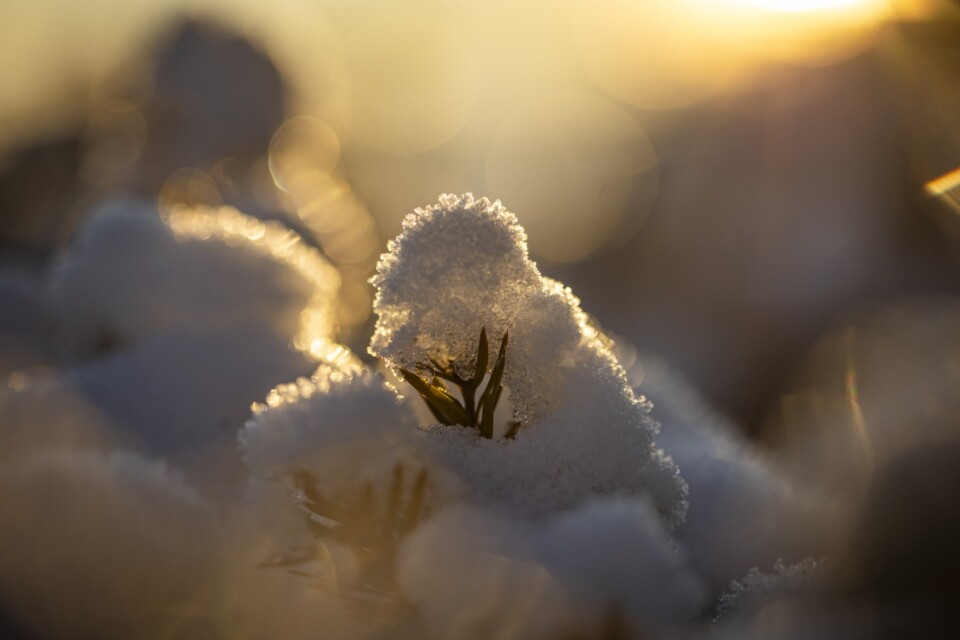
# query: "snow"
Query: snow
182,394
603,549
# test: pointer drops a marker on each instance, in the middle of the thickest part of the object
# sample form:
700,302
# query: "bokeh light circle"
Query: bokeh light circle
303,152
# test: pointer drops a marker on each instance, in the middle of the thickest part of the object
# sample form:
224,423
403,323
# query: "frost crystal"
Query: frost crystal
462,266
758,587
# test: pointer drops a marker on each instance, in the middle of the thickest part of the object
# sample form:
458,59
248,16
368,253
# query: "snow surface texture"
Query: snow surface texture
336,405
462,265
796,602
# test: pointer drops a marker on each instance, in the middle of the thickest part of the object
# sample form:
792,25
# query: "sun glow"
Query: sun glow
796,6
810,32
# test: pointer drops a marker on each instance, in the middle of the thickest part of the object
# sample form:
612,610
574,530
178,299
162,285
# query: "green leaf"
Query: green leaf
491,395
482,358
442,405
444,372
439,417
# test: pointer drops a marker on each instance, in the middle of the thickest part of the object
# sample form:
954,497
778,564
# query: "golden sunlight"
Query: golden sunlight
808,5
809,32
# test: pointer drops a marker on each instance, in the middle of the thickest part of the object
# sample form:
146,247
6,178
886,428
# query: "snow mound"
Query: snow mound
124,542
334,408
43,413
744,511
569,575
457,267
347,433
131,273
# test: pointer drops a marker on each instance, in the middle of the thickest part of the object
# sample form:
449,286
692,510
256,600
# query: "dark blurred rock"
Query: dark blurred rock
906,553
907,538
214,96
38,185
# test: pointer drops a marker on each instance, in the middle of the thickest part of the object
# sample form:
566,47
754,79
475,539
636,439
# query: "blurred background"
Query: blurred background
763,193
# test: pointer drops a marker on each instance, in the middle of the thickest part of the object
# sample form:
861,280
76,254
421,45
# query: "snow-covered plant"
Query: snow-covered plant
342,445
471,412
460,269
